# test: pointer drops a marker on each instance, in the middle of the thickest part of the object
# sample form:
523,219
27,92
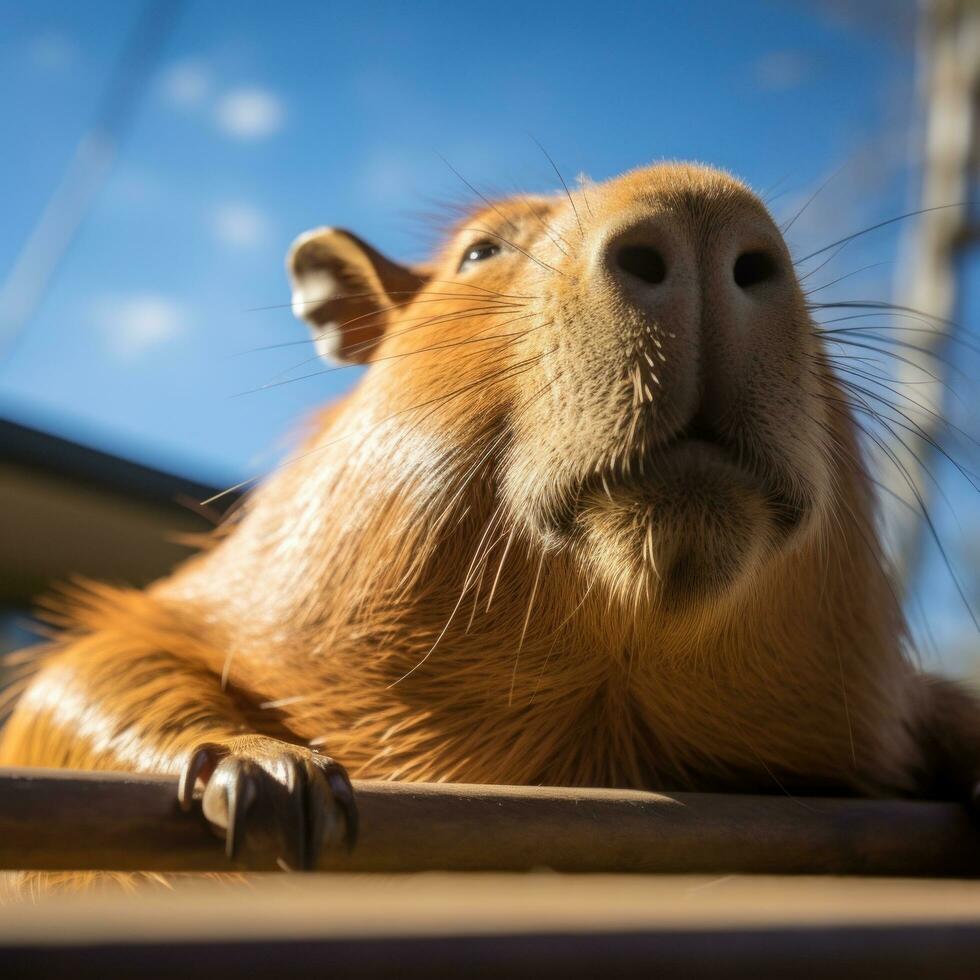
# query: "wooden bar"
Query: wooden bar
61,820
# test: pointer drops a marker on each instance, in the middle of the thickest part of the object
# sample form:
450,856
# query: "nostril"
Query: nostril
643,262
752,268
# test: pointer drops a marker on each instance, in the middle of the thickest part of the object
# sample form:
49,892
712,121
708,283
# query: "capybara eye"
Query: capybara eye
478,252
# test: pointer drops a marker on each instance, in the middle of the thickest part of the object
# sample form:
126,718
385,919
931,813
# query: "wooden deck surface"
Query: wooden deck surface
534,924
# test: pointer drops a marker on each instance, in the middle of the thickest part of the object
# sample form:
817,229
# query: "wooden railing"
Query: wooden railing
53,819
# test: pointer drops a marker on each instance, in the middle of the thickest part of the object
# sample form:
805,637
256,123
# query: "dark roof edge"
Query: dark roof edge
41,451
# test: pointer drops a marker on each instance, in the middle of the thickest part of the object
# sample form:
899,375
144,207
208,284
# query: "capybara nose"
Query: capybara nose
693,291
648,255
652,268
754,267
643,262
676,272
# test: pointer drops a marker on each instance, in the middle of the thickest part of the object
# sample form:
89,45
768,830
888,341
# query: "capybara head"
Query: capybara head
625,375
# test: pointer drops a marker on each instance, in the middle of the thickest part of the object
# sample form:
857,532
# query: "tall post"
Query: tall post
949,59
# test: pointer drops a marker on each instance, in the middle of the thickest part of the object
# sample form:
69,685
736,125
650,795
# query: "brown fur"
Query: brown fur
443,586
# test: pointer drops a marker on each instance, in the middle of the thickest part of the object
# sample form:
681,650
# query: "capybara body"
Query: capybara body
595,515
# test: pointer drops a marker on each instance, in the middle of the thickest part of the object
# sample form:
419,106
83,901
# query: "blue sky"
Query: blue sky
262,120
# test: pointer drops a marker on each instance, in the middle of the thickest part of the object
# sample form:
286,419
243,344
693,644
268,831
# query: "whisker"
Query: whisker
480,195
548,230
894,387
872,331
912,426
436,402
476,339
830,258
435,320
884,306
568,193
837,338
933,531
847,239
517,248
833,282
370,294
527,620
789,224
452,615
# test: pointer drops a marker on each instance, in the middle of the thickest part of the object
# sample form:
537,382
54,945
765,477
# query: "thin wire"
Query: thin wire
42,255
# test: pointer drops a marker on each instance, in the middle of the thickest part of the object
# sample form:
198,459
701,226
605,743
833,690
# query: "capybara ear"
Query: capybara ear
345,290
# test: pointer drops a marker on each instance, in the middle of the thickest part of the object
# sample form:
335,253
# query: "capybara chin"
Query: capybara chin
596,515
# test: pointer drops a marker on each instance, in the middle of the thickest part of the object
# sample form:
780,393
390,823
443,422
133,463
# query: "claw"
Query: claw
294,829
343,794
272,797
239,794
201,766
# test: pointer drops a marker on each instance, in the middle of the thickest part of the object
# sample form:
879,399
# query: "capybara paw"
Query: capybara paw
271,798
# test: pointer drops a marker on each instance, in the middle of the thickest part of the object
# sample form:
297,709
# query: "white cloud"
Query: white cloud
53,51
780,71
239,224
186,85
249,113
133,325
